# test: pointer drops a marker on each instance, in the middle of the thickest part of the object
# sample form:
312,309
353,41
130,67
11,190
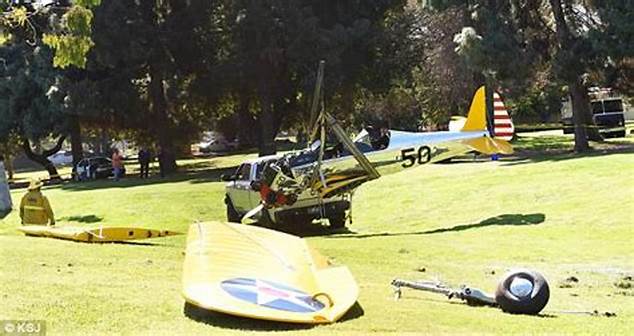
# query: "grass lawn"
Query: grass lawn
563,215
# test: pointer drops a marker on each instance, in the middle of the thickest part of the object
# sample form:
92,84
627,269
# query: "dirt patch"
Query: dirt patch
625,286
569,282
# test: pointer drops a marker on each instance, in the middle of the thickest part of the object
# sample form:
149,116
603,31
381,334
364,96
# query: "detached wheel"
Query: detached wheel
522,292
338,220
232,213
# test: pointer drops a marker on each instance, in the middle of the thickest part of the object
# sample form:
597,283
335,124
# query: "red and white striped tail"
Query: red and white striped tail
502,124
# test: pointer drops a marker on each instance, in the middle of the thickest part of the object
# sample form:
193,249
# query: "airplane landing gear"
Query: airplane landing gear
519,292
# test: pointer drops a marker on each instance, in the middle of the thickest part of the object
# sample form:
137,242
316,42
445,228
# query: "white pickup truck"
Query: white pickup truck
241,196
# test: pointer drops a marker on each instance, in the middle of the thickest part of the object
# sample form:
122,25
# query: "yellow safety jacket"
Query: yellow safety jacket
35,209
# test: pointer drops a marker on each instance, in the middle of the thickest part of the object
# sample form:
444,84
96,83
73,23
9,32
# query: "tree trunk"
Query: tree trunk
167,160
266,119
592,131
267,128
104,143
42,159
75,140
247,124
573,73
578,104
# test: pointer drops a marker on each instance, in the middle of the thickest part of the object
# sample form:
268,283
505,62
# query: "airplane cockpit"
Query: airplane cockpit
372,139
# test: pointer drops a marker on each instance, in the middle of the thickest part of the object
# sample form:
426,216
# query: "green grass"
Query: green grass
562,215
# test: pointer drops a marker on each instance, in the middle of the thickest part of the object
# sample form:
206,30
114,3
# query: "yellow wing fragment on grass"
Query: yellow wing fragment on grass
263,274
94,235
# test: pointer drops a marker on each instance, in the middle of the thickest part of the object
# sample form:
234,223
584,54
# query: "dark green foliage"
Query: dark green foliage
538,105
614,41
273,48
30,93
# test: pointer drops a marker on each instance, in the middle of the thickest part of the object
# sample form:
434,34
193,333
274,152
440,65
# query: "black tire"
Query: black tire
531,303
232,213
337,220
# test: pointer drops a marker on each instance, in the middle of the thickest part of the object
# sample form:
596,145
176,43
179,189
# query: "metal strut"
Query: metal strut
472,296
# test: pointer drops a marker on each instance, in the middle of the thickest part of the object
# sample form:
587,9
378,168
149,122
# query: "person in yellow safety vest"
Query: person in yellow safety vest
34,208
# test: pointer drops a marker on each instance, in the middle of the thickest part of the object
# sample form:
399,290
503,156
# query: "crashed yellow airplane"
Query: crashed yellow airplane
264,274
329,172
259,273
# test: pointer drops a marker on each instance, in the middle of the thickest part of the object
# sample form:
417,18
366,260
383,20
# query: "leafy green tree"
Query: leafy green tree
66,28
142,83
521,43
10,147
275,46
31,101
612,36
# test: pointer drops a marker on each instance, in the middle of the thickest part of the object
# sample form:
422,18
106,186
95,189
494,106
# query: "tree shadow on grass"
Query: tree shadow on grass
542,153
200,175
462,303
315,229
506,219
83,219
243,323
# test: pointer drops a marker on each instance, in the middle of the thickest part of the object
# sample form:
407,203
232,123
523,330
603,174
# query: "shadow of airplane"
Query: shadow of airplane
462,303
314,229
244,323
506,219
83,219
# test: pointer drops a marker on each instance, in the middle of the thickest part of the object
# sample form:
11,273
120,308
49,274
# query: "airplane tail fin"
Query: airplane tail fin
477,117
501,129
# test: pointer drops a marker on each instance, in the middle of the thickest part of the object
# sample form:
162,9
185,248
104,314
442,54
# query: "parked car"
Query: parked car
217,145
62,158
242,197
93,168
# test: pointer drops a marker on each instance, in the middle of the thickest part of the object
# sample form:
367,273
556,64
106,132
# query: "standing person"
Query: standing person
117,164
144,162
5,196
35,208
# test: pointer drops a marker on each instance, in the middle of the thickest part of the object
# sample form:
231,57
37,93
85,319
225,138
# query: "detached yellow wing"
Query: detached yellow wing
263,274
94,235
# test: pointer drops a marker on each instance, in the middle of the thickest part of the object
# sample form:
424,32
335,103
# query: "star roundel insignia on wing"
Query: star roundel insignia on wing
272,295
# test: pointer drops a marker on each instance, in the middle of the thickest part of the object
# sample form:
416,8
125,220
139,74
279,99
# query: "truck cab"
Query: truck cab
608,113
241,197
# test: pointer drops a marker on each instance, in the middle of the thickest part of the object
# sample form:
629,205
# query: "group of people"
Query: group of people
144,156
35,208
